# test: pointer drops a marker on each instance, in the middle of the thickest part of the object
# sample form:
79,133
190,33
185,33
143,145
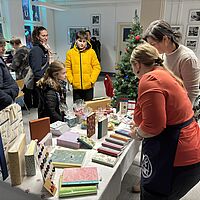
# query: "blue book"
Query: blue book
3,164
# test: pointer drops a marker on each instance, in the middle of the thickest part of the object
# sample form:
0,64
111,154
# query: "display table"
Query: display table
110,178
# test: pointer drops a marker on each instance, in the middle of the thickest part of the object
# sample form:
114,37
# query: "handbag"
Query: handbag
29,78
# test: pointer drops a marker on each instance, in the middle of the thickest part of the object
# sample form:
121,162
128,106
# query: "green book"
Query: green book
76,190
67,158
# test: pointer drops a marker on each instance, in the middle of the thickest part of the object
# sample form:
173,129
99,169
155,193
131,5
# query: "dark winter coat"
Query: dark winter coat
20,63
8,87
38,57
49,104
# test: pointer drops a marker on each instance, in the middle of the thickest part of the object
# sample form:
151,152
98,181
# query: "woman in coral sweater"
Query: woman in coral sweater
164,121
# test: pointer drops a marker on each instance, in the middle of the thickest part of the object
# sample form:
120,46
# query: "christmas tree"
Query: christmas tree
126,83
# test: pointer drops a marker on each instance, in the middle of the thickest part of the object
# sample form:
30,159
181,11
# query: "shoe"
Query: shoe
136,188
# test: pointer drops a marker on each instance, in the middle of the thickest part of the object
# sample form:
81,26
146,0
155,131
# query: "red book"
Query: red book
109,151
80,176
113,146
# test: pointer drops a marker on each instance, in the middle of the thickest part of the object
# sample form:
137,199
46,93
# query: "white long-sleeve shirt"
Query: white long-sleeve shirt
184,63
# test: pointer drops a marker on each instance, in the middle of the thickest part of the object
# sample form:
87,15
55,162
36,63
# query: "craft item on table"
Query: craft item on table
113,146
76,190
71,120
116,141
39,128
80,176
111,126
123,107
91,124
86,141
102,127
47,169
123,132
47,141
16,159
83,122
131,105
120,137
69,139
3,164
67,158
30,158
109,151
104,159
58,128
100,103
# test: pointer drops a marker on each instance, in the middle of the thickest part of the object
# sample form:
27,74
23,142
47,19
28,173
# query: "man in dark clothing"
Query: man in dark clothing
96,45
8,87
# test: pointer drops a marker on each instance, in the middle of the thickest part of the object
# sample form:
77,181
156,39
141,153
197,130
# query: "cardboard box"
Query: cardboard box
98,103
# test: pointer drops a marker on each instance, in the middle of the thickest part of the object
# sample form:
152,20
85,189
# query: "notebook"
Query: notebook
86,141
104,159
102,127
91,125
80,176
59,127
113,146
67,158
123,132
69,139
109,151
76,190
39,128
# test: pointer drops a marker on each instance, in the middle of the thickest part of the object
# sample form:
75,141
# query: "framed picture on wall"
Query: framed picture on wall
192,44
95,19
177,28
71,33
36,12
194,16
27,33
193,31
25,8
95,31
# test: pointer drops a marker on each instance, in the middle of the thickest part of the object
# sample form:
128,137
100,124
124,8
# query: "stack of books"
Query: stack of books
78,182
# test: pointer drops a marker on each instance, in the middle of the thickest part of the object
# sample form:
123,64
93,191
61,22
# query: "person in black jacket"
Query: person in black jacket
38,58
8,87
52,90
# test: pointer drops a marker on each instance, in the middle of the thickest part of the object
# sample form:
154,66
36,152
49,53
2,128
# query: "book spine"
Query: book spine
112,146
107,152
68,144
102,162
89,182
123,132
15,172
119,137
115,141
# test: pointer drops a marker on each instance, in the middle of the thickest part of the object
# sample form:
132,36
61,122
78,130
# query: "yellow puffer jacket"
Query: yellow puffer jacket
82,68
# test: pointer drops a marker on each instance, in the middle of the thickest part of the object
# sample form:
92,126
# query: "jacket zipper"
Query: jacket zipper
81,72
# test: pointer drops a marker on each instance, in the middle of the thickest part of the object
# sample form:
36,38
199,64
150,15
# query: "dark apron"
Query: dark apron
158,154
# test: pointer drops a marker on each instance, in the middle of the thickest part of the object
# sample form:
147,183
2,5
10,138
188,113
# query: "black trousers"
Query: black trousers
184,179
86,95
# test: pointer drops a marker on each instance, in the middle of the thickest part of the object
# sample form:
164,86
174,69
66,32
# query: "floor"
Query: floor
133,175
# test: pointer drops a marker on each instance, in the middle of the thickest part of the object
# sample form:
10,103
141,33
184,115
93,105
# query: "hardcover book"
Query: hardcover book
104,159
120,137
69,139
16,159
123,132
39,128
58,128
91,124
113,146
102,128
80,176
116,141
88,142
76,190
109,151
67,158
30,158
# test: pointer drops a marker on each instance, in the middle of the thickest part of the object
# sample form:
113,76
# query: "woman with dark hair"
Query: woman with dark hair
52,90
177,57
38,57
164,123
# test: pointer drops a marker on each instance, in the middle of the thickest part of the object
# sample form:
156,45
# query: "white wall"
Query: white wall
110,15
177,12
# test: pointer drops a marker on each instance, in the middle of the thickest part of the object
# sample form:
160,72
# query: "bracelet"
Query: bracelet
139,137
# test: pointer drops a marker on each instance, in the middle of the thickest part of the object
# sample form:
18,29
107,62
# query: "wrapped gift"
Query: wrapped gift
71,120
